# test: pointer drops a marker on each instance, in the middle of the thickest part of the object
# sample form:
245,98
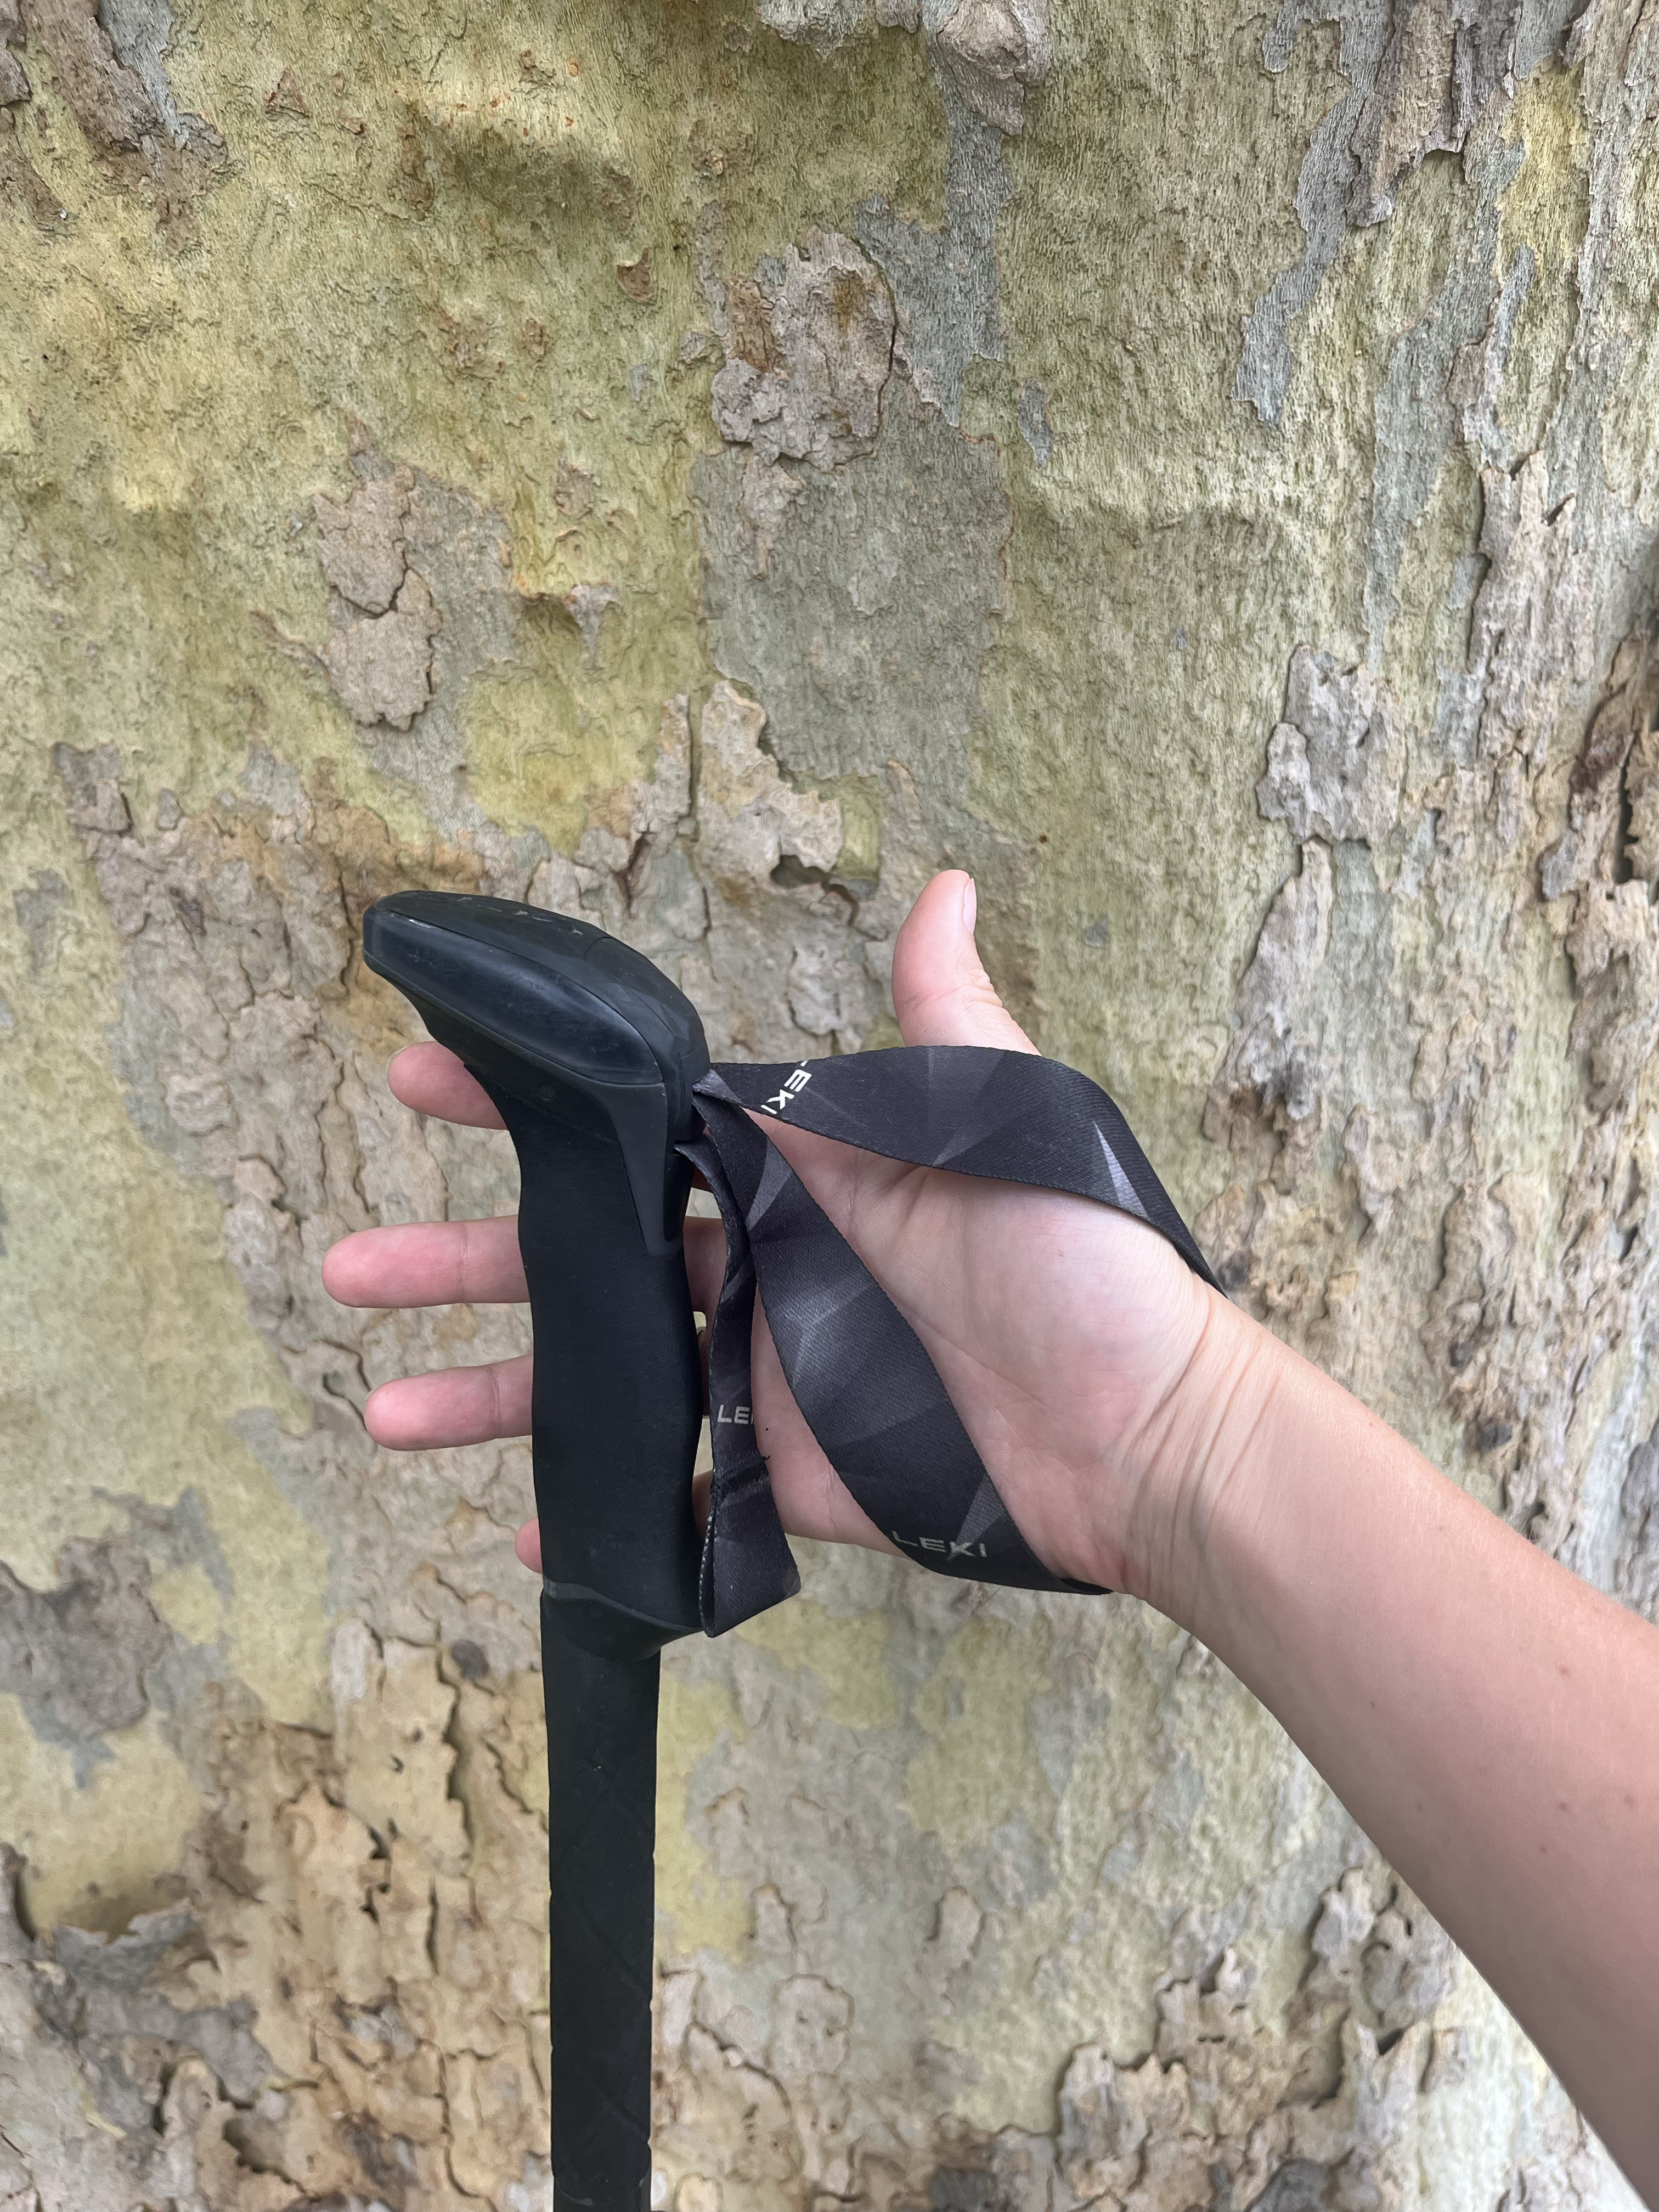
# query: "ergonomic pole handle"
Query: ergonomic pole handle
589,1055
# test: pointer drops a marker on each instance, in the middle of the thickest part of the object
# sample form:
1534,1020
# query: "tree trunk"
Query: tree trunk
706,472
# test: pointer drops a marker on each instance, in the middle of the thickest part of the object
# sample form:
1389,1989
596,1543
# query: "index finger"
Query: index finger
430,1078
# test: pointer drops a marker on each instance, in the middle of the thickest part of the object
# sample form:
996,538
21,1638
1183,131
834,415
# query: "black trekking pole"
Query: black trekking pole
589,1052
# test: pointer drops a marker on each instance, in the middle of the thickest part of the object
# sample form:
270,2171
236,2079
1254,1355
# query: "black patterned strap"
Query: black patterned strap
859,1374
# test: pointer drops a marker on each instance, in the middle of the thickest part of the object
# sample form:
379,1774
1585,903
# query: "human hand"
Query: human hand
1066,1333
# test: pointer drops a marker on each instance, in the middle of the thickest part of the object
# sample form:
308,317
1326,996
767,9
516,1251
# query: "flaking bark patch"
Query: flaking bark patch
351,2000
106,68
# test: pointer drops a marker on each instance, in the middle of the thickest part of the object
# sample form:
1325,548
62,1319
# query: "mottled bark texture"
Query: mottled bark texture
704,468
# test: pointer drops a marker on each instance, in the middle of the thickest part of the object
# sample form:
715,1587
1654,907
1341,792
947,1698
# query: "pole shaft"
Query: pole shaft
602,1764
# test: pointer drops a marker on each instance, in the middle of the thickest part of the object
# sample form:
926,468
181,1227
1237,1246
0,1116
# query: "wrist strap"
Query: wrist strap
859,1374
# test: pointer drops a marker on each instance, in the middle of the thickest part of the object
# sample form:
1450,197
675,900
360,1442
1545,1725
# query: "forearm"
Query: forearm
1492,1721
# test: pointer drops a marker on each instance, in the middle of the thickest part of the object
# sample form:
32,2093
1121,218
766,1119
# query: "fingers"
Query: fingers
475,1263
943,996
430,1263
941,992
457,1405
528,1541
811,1499
431,1080
705,1262
436,1263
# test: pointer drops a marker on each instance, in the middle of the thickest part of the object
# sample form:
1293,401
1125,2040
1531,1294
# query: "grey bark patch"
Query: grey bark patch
992,52
421,600
359,540
140,32
1420,80
381,666
1442,380
1611,786
809,346
95,800
1033,419
1335,764
1267,364
1636,1570
945,281
955,2191
824,23
1299,2185
808,350
76,1657
40,908
865,638
109,1998
1407,1967
176,1535
1532,632
1270,1052
379,658
1478,373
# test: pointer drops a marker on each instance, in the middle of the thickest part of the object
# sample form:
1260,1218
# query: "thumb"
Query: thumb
941,993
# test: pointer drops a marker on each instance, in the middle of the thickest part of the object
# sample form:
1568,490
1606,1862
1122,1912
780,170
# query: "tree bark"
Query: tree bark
704,470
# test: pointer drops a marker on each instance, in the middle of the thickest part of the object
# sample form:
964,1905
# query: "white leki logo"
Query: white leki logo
948,1545
780,1101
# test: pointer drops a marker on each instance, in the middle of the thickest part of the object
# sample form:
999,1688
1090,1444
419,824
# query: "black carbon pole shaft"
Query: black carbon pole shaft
602,1769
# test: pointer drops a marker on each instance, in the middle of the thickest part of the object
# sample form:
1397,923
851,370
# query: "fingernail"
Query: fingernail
969,905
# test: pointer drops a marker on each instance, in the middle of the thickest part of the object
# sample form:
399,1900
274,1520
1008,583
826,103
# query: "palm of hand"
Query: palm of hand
1058,1327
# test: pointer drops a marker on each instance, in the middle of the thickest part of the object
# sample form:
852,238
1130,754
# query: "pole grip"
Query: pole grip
616,1399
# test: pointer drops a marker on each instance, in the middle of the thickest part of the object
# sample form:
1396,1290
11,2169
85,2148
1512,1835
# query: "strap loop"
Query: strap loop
859,1374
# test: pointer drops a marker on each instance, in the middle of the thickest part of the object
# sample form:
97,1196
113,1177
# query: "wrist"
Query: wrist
1202,1451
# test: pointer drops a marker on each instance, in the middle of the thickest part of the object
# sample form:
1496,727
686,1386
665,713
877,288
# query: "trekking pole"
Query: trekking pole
589,1053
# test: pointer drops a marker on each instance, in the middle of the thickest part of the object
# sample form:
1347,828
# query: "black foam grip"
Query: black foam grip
602,1763
616,1397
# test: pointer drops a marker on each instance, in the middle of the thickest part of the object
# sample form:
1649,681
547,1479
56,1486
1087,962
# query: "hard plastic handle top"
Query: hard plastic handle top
559,1016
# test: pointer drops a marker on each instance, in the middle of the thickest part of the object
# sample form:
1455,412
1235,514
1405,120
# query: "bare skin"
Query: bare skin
1490,1721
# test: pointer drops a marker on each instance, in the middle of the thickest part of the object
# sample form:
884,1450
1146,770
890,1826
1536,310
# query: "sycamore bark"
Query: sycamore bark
706,470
